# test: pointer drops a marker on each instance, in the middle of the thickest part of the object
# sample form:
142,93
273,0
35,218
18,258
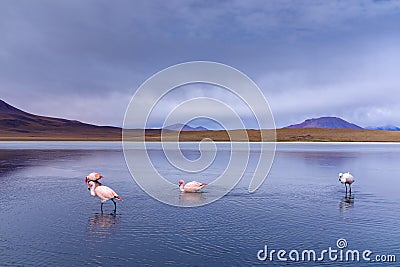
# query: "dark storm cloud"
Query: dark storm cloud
84,59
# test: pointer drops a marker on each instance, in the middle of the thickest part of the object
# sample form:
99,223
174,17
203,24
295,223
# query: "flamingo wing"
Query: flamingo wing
348,178
194,186
105,193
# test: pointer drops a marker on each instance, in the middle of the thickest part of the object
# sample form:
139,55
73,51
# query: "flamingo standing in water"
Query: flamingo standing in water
346,179
190,187
104,193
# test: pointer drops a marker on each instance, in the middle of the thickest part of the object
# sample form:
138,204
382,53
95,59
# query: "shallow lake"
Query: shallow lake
48,217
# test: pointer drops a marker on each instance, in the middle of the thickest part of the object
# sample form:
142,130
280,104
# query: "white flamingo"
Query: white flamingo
346,179
190,187
104,193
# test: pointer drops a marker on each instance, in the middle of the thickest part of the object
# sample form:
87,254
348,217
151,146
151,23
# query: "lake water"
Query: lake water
47,216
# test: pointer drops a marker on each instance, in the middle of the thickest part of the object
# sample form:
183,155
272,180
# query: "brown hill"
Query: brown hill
283,135
21,125
336,135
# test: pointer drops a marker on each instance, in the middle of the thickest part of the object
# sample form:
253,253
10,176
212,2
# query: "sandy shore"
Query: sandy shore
282,135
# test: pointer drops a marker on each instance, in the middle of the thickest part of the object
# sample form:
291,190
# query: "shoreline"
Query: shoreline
196,142
287,135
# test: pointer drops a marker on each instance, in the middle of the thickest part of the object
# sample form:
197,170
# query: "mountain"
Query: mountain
184,127
15,122
326,122
385,128
18,125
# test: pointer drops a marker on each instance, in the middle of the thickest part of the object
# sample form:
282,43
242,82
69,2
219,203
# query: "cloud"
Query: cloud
60,58
347,85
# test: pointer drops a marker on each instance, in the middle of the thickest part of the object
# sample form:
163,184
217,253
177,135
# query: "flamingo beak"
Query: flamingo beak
88,187
101,176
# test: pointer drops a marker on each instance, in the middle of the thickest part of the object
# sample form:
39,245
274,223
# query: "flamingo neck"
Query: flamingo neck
92,192
181,187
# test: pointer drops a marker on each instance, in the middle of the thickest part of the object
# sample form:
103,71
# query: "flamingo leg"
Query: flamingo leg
115,205
101,207
345,185
350,188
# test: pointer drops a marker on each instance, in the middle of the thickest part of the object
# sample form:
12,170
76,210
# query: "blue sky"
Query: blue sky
84,59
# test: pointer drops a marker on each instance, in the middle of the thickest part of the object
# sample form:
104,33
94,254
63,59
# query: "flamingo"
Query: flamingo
94,176
190,187
346,179
104,193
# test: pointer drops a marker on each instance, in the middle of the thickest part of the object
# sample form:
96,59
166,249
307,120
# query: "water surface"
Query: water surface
49,218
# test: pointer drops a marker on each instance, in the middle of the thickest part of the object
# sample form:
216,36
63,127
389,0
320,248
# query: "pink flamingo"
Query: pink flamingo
190,187
104,193
94,176
346,179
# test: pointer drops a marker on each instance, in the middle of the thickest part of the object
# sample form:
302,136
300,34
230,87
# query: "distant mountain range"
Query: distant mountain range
385,128
184,127
21,125
337,123
18,123
326,122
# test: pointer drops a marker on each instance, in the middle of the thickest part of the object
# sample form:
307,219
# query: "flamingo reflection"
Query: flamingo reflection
191,198
101,225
